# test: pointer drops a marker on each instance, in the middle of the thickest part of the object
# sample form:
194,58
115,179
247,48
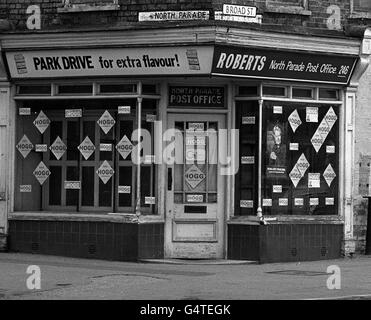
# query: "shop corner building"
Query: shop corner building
254,134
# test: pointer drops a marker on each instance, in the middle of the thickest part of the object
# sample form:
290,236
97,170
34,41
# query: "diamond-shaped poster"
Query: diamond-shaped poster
324,129
294,120
86,148
24,146
58,148
329,175
106,122
41,122
41,173
299,169
124,147
194,176
105,172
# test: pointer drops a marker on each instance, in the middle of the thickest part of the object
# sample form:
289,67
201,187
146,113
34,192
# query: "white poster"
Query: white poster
41,173
124,147
313,201
58,148
194,176
246,204
311,114
299,169
314,180
73,113
41,122
106,122
25,188
149,200
329,201
323,129
105,172
294,120
86,148
267,202
283,202
329,174
294,146
277,188
299,202
124,189
24,146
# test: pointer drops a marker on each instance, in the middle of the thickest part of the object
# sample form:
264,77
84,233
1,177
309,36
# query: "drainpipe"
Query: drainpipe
139,130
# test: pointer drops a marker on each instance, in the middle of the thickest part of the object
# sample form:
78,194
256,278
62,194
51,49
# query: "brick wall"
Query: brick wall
362,159
15,12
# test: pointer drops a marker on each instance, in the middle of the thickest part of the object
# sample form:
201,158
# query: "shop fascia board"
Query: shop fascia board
180,36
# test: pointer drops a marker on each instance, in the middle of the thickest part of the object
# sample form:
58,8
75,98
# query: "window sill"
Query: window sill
88,8
93,217
288,220
288,10
360,15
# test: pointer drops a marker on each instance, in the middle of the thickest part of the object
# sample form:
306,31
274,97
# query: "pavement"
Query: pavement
69,278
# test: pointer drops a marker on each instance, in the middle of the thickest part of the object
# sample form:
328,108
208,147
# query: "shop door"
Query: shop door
194,226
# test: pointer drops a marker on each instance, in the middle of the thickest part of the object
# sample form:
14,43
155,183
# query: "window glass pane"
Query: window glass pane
73,140
118,88
126,129
106,139
34,89
55,185
146,184
247,121
105,193
248,91
300,172
75,89
329,94
274,91
89,131
56,130
302,93
87,186
125,179
72,195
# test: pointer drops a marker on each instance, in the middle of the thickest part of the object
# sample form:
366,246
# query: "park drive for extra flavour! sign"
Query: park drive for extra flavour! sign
110,62
247,62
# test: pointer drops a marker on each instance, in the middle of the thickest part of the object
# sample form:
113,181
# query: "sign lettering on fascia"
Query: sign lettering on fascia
195,60
256,63
235,10
173,15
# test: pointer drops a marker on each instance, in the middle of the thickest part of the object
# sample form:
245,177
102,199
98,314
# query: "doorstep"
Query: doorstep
198,262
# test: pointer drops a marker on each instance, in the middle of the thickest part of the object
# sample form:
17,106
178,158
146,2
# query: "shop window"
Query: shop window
117,88
246,180
328,94
78,164
34,89
275,91
301,159
248,91
302,93
75,89
287,6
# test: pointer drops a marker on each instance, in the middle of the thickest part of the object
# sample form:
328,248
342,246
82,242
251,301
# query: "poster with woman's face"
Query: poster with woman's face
276,150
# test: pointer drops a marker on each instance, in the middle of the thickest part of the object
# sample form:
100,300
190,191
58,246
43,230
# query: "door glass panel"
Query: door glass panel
106,139
125,179
87,186
89,130
196,158
55,185
72,195
73,135
105,193
56,130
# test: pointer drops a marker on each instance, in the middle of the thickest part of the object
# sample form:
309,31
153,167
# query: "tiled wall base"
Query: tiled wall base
3,242
284,242
98,240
